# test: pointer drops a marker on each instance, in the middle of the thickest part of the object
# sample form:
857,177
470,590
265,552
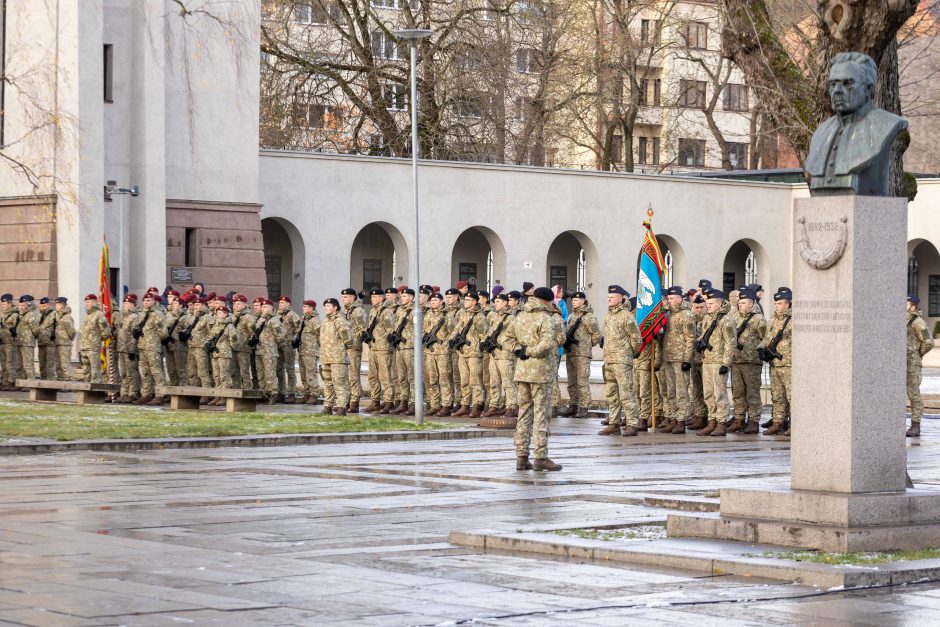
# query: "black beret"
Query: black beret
26,298
784,293
391,290
704,284
501,296
331,301
757,287
675,290
437,295
698,299
515,295
425,287
349,292
483,294
747,293
713,293
472,295
376,291
452,291
616,289
526,286
44,300
408,291
580,295
426,290
6,298
544,293
62,299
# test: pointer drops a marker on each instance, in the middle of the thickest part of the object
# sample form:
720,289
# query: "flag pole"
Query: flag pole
653,383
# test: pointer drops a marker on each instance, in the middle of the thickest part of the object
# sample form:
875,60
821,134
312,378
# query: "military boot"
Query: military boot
752,427
769,422
605,421
581,413
272,399
612,429
679,428
443,411
328,410
374,407
353,407
513,412
629,431
719,431
775,428
698,422
157,400
736,425
914,431
387,408
411,410
313,400
571,411
477,411
143,400
523,463
546,464
711,426
666,426
642,425
554,415
432,412
340,411
279,398
493,411
290,399
463,411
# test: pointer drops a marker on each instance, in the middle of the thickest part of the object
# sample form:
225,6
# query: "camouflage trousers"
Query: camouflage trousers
745,390
380,376
27,357
405,360
64,362
309,384
335,384
715,386
440,391
91,364
502,392
676,392
355,374
222,372
130,374
286,373
554,362
578,369
47,362
471,380
914,377
618,382
534,414
780,392
151,371
644,393
697,392
176,366
266,366
8,363
455,376
197,368
487,358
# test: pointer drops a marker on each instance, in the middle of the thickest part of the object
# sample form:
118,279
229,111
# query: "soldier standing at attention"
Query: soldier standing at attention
44,340
356,317
95,330
919,343
437,358
308,352
620,342
402,339
716,344
266,337
775,349
469,329
678,348
501,394
219,349
196,334
696,391
453,308
63,333
533,339
26,330
286,372
176,353
335,340
581,335
8,355
749,331
127,350
150,333
375,337
256,306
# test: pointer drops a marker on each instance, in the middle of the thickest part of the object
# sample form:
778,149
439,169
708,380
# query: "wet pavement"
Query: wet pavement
357,534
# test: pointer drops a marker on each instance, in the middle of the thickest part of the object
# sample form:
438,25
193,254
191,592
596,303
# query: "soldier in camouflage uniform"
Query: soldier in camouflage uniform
581,335
95,330
63,334
308,352
356,317
749,330
533,338
404,351
286,356
620,342
696,391
124,326
919,343
645,368
256,306
244,324
716,344
470,327
8,354
269,334
501,394
778,341
678,348
198,370
150,333
380,358
452,305
335,340
219,348
46,351
437,359
26,330
176,353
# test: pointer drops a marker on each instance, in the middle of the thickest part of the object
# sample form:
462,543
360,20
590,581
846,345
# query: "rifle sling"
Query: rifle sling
740,329
779,336
711,329
574,328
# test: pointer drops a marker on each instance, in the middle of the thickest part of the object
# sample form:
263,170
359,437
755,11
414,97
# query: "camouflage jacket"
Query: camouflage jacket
697,356
176,321
381,326
753,329
783,347
919,342
223,333
153,326
269,336
356,316
431,320
290,324
124,326
404,318
537,330
64,327
8,320
27,328
95,330
310,334
335,339
679,341
588,334
474,320
622,337
244,322
502,322
199,323
722,338
46,321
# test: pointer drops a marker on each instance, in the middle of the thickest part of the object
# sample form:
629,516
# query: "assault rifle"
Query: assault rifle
569,336
396,338
740,330
139,329
169,335
770,352
368,336
300,331
212,345
429,339
256,336
489,344
704,344
461,339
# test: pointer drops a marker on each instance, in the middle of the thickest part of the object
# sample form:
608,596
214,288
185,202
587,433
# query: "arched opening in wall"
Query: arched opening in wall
283,258
746,262
572,263
479,255
377,257
673,261
923,277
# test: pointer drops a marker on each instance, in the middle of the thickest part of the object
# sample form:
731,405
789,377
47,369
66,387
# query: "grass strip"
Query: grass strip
818,557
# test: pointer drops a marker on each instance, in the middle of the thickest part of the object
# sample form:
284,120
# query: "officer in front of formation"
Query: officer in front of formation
919,343
775,350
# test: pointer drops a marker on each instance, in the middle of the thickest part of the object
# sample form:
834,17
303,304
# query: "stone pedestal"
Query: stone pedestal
848,452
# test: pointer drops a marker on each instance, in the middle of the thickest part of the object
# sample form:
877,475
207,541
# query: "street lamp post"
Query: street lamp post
413,36
112,189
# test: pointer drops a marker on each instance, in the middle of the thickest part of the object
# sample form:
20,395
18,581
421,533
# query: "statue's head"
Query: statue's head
851,81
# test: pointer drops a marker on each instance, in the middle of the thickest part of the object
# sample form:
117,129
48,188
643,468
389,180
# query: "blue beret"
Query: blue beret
26,298
675,290
408,291
705,284
515,295
62,299
580,295
616,289
44,300
713,293
783,293
747,293
331,301
543,293
914,299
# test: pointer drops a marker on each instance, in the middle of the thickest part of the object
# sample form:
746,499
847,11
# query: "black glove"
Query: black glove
656,368
137,333
520,353
762,354
185,335
132,356
601,343
296,342
13,331
686,366
723,370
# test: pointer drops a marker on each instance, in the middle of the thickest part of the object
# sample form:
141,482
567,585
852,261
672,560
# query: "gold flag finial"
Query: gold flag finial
649,211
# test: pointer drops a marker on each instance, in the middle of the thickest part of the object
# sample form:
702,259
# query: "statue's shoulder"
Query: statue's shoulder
819,146
880,121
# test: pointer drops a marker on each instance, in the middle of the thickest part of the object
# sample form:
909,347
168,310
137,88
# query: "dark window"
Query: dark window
189,248
655,151
642,150
735,97
466,271
108,73
525,60
650,92
694,35
521,108
395,96
692,94
737,151
691,152
384,46
913,271
650,31
728,283
933,295
558,275
272,268
371,274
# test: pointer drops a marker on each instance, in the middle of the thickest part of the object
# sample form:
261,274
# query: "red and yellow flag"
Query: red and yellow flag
104,298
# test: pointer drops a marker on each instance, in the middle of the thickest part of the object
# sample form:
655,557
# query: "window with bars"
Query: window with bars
694,35
691,152
692,94
735,97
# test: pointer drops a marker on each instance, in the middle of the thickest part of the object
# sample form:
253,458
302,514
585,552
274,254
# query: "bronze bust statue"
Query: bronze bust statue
849,153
